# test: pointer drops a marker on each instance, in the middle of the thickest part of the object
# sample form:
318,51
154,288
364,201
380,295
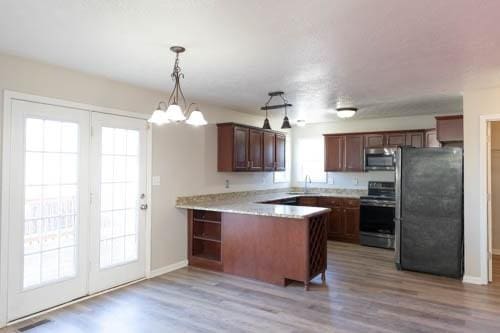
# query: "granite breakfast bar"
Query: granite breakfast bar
250,237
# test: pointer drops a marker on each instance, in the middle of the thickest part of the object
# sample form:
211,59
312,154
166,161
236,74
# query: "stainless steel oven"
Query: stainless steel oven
380,159
377,211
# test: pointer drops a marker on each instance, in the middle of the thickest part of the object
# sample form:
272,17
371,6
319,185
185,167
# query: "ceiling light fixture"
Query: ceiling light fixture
266,107
346,112
175,109
301,122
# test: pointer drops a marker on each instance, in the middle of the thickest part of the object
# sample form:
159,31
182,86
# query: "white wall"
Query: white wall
352,179
184,157
476,103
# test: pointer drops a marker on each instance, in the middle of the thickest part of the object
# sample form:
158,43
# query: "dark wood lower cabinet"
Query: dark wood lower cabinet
343,220
271,249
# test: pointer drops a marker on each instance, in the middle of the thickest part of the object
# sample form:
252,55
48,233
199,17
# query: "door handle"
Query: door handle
144,206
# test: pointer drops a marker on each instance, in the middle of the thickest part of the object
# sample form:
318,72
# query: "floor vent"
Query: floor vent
31,326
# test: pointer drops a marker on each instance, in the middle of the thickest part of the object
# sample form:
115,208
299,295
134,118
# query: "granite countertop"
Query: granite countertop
252,202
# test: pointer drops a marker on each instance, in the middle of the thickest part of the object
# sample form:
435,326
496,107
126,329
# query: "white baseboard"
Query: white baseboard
496,252
166,269
473,280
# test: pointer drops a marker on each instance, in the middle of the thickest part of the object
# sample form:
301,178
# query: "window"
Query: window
310,157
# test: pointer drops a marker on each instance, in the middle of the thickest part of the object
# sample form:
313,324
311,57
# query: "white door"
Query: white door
48,214
118,207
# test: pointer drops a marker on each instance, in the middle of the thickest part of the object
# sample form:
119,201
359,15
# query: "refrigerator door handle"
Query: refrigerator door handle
397,211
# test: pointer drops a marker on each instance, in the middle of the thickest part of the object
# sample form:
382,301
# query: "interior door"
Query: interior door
118,191
48,207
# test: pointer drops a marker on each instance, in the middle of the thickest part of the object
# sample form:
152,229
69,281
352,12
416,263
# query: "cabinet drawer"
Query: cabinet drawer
351,203
308,201
330,202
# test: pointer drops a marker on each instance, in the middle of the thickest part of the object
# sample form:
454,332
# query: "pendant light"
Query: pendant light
266,107
175,110
286,122
266,123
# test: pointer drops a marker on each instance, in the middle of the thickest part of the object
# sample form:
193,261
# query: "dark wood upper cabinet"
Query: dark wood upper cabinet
354,150
415,139
431,138
269,147
255,150
396,139
241,161
334,152
280,152
247,148
450,128
374,140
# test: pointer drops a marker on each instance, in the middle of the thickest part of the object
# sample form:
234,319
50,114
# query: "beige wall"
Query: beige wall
495,185
476,103
184,157
353,179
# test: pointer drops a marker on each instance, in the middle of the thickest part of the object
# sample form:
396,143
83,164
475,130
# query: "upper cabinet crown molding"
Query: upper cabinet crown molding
249,148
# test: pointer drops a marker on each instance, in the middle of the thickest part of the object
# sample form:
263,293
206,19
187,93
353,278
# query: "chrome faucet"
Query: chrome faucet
308,179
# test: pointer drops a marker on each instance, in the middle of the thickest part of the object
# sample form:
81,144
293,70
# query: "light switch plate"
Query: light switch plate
155,181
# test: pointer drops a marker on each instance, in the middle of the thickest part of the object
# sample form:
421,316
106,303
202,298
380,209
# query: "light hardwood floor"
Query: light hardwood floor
363,293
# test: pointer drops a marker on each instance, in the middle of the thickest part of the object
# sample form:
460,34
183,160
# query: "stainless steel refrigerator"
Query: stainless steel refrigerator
429,210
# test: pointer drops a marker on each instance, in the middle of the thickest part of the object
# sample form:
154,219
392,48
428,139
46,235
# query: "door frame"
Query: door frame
484,218
8,97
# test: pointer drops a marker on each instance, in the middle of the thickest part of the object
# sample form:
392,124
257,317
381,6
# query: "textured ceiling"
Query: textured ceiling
391,57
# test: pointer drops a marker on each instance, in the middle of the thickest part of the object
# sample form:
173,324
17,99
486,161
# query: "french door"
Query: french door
77,186
118,206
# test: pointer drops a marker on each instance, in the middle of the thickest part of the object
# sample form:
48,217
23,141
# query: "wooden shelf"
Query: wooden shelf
205,238
207,256
205,221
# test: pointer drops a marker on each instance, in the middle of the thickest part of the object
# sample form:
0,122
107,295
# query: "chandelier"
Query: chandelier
176,109
266,107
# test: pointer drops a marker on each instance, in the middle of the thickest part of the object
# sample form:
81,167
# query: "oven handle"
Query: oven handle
377,204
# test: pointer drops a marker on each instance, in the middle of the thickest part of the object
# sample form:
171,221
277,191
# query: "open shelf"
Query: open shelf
205,221
205,236
208,239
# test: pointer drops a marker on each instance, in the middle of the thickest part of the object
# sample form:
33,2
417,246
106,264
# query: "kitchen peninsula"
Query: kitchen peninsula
272,237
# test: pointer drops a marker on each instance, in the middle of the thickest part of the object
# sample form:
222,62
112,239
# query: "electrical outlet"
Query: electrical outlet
355,181
227,183
155,181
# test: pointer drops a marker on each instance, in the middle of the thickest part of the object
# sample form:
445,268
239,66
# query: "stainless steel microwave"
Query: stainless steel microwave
380,159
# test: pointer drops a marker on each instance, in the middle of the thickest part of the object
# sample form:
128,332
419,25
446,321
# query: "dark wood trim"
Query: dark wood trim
458,116
249,126
379,132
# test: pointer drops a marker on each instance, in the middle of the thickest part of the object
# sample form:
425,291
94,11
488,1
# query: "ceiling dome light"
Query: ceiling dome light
196,118
301,122
174,113
346,112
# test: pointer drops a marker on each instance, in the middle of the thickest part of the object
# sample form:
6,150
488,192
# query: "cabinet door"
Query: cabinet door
240,154
280,152
396,139
351,218
308,201
415,139
334,153
336,223
431,139
354,153
255,147
374,140
269,150
450,128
